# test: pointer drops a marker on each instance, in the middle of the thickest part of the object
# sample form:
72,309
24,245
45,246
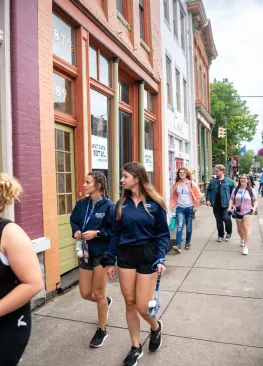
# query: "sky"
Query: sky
237,29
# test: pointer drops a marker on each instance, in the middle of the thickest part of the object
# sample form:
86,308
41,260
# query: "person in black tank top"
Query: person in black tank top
20,279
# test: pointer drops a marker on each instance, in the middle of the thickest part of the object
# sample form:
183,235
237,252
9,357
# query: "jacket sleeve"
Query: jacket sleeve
173,198
107,230
162,233
208,191
198,193
75,219
233,186
115,238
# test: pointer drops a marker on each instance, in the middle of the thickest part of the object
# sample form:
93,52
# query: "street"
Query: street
212,305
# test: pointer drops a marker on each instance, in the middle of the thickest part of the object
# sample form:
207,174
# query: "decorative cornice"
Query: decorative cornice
204,112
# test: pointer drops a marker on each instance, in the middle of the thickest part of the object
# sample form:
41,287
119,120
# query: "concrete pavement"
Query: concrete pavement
212,310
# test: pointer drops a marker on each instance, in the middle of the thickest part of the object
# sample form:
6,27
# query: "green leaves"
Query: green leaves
231,112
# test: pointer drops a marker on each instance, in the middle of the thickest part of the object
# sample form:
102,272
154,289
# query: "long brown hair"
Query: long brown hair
99,178
188,174
137,170
248,181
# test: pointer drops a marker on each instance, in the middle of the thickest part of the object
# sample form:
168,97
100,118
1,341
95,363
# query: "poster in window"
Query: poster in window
148,160
99,152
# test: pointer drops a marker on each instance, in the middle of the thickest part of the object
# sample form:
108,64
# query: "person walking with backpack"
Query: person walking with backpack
185,198
244,199
218,195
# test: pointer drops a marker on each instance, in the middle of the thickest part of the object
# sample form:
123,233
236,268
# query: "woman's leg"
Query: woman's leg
145,284
240,229
99,283
189,222
180,218
128,285
85,284
247,220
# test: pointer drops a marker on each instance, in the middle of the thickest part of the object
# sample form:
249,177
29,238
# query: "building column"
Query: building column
141,121
116,137
26,115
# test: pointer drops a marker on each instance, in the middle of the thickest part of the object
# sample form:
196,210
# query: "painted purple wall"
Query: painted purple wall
25,114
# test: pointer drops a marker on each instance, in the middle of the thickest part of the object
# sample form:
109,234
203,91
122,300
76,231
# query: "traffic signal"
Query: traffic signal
221,132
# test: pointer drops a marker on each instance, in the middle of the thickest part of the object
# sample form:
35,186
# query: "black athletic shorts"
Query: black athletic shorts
93,261
139,257
15,331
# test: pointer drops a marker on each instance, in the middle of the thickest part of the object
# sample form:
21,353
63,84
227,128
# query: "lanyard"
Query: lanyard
87,217
242,197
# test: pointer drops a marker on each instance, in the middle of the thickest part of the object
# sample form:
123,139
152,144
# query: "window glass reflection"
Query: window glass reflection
62,90
124,92
63,39
104,70
93,65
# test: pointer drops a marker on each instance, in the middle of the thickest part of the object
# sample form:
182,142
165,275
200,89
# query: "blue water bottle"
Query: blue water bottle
173,223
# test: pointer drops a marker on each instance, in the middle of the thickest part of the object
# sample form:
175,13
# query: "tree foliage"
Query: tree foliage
233,113
246,161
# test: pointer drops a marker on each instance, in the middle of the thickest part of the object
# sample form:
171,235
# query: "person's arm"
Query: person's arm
74,222
208,194
173,198
23,260
115,238
107,229
232,200
162,233
197,194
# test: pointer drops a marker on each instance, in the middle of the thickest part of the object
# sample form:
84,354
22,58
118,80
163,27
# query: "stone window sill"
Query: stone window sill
123,20
144,45
41,244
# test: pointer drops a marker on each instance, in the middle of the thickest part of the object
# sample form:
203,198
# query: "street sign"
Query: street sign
256,164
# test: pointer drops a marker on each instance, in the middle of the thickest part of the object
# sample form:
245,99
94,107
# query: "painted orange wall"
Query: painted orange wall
47,138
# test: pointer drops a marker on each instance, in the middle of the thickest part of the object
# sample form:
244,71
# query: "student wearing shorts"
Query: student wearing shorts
139,240
91,222
244,201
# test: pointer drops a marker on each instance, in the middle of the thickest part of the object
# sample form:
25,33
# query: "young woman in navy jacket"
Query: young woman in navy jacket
91,222
139,240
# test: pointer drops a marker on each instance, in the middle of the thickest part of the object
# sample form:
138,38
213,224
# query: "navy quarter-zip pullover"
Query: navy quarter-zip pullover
137,227
101,218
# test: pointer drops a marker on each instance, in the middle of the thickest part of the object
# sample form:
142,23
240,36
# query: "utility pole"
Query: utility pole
226,144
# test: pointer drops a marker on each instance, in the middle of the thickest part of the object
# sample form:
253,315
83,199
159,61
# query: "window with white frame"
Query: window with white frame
181,146
169,81
185,99
187,148
182,22
166,10
178,90
175,18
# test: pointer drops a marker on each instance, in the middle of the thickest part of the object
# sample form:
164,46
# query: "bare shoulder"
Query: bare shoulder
13,234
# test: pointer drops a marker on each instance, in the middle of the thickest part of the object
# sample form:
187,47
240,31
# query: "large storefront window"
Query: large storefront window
64,42
99,105
149,147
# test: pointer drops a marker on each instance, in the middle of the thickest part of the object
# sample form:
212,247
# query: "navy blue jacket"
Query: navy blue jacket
101,219
137,227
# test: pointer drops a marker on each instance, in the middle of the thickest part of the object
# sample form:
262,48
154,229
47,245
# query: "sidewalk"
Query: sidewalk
212,310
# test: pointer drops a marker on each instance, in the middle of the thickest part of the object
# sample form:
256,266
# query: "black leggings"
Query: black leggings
15,331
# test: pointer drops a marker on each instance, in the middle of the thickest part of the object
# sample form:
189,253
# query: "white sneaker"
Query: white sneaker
220,239
245,251
242,244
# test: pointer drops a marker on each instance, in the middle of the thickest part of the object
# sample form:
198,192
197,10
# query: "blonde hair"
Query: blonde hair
220,167
10,190
136,169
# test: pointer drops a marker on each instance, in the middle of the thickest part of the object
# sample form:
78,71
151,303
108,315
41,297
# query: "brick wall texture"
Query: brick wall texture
25,114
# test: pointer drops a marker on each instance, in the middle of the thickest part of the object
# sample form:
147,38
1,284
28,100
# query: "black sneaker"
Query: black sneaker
156,338
187,246
133,356
99,338
110,301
